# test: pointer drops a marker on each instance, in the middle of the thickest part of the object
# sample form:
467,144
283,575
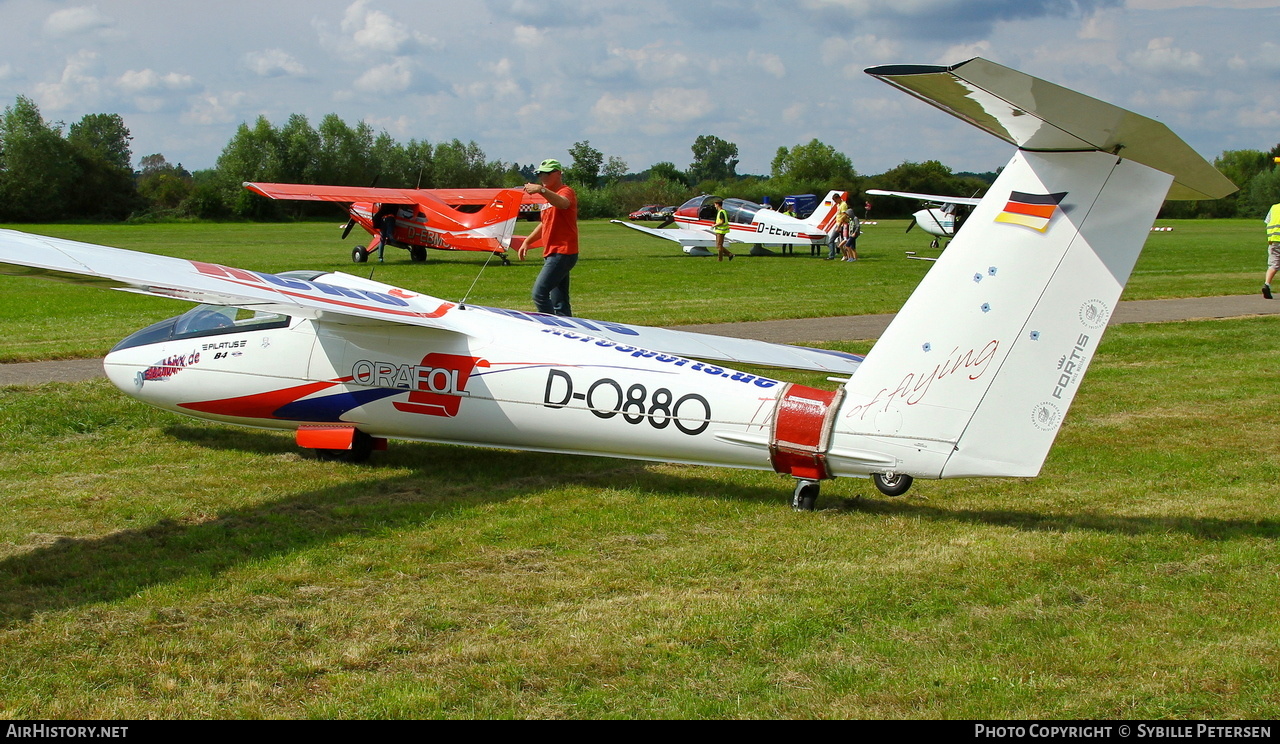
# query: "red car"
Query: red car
646,212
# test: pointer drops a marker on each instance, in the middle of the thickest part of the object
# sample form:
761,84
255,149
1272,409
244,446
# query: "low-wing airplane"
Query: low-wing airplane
972,378
442,219
748,223
941,216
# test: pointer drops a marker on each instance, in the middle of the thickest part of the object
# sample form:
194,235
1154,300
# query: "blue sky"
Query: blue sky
526,79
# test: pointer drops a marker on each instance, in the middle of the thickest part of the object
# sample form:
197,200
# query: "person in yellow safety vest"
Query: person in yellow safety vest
721,229
1273,247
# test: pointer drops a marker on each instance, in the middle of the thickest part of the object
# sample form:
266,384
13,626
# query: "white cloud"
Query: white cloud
651,112
770,63
854,55
1102,26
1171,4
681,105
395,77
77,86
1161,57
652,62
962,52
142,81
1184,99
1265,58
397,126
375,31
1253,118
498,83
211,109
529,37
273,63
78,20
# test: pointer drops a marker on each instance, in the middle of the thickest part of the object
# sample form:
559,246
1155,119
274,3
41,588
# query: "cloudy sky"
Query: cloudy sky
640,80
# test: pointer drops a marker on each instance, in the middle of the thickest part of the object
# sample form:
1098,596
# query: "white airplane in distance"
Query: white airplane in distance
941,216
748,223
972,378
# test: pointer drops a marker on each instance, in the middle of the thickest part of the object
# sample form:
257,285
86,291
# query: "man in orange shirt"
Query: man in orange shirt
558,236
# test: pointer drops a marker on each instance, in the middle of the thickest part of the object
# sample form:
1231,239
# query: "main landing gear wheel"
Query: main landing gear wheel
418,254
361,448
892,484
358,255
805,496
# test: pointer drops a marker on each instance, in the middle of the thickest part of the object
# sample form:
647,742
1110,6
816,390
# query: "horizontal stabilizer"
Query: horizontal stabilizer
1037,115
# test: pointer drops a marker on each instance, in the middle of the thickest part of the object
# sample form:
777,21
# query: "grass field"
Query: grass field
158,567
623,276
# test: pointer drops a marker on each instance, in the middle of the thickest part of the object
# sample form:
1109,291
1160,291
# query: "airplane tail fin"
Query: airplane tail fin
823,218
490,228
975,374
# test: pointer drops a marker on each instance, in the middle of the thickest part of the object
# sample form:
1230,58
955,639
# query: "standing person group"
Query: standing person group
844,236
557,233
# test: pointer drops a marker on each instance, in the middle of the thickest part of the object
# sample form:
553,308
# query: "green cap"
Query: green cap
549,166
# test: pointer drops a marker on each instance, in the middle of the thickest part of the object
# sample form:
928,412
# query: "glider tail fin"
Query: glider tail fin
976,372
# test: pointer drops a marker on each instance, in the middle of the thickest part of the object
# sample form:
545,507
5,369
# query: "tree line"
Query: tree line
86,173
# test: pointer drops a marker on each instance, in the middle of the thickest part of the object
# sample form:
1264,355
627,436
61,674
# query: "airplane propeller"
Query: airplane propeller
346,229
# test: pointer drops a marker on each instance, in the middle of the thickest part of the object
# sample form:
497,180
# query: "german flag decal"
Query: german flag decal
1031,210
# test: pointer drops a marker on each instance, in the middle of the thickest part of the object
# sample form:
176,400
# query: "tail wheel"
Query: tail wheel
805,497
361,448
892,484
358,255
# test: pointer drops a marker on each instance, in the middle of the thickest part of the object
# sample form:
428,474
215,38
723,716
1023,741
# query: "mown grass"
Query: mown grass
623,276
153,566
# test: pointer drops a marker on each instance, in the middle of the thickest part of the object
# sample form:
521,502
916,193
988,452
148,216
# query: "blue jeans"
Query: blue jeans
551,288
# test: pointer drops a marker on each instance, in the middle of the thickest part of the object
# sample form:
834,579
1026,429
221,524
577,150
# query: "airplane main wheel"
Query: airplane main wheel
892,484
361,449
358,255
418,254
805,497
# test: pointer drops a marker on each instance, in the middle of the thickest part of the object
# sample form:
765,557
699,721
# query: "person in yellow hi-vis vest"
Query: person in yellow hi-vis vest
1273,247
721,229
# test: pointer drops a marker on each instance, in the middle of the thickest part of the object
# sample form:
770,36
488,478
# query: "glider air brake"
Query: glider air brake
748,223
972,378
441,219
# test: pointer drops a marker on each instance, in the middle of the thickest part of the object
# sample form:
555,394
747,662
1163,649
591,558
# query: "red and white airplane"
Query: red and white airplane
441,219
748,223
972,378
